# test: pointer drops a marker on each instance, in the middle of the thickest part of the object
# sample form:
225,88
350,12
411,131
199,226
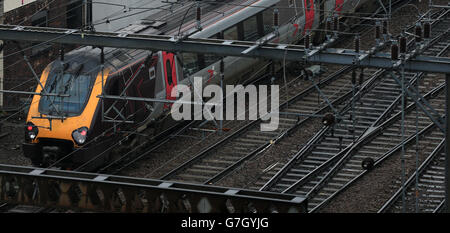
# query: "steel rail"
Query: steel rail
263,147
306,149
255,79
436,152
373,134
253,123
320,134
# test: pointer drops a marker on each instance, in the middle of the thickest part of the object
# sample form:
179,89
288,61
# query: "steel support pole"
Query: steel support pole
447,144
402,156
417,153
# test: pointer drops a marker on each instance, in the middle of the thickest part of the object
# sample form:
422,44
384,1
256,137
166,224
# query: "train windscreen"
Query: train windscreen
67,91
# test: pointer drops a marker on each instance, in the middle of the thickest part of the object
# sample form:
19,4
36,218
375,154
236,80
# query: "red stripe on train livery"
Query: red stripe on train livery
169,57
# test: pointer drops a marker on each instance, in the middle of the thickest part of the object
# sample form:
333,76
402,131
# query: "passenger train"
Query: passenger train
70,115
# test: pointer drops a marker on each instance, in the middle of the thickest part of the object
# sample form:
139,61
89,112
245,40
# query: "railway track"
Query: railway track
381,147
215,162
156,146
324,193
291,147
247,145
310,171
430,194
329,142
130,158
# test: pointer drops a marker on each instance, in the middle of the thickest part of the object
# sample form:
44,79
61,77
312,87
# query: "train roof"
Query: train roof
216,17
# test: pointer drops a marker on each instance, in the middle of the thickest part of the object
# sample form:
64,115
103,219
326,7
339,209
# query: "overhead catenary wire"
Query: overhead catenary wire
21,51
148,9
49,41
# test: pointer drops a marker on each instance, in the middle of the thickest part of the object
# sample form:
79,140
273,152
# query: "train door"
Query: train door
170,72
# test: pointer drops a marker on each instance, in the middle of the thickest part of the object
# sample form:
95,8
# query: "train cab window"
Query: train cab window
230,33
251,29
73,85
169,73
268,21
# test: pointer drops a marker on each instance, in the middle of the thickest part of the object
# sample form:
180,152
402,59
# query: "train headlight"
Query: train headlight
31,131
80,135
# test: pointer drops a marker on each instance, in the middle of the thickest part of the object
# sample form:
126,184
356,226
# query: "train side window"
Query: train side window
268,21
260,24
169,73
217,36
251,29
231,33
240,29
201,61
190,63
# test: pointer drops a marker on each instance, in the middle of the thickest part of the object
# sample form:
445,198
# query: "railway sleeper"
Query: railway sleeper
327,148
430,181
351,170
201,171
299,171
191,177
312,161
216,161
202,167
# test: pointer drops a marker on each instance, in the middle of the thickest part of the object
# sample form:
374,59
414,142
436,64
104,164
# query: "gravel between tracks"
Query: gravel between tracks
182,149
368,194
281,152
371,191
